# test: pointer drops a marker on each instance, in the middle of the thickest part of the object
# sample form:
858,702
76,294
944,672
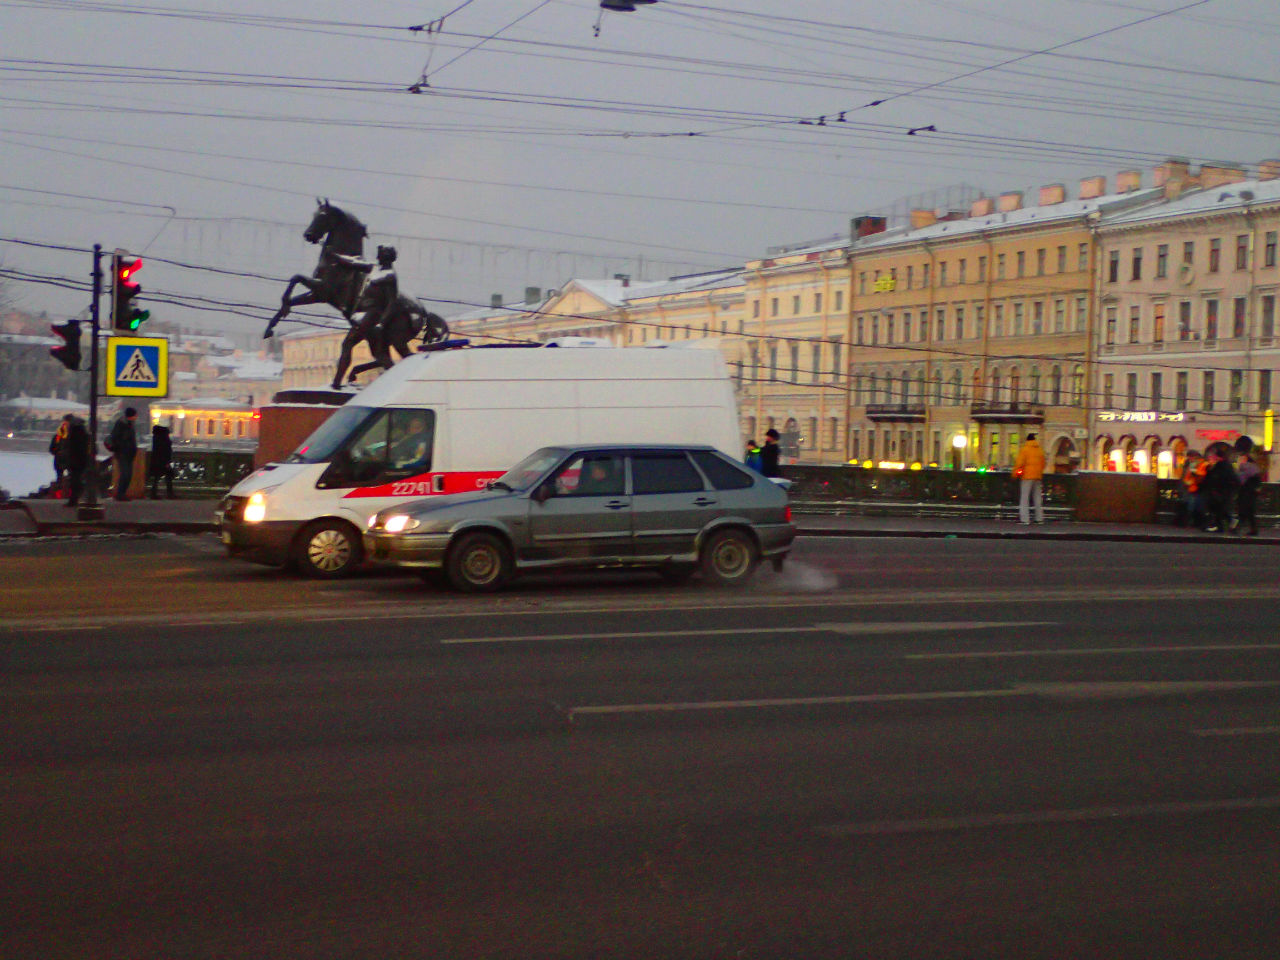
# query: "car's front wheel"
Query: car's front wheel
478,563
728,558
328,550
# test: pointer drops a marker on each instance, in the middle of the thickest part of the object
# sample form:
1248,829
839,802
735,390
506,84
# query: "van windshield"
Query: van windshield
330,435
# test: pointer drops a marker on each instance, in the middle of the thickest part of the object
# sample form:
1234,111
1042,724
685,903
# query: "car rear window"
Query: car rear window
722,474
663,473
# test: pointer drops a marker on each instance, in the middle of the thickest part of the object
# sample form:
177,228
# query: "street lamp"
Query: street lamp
958,443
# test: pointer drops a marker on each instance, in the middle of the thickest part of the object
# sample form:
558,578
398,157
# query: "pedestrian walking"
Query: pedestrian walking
1029,469
160,463
752,458
77,458
1190,509
1250,476
56,448
1218,485
123,444
769,454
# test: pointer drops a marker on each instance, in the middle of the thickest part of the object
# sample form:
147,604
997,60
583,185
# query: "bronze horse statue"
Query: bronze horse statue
405,322
333,281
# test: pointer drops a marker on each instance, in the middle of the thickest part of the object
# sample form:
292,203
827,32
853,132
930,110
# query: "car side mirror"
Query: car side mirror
543,492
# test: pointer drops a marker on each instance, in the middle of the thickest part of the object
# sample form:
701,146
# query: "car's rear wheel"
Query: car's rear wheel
728,558
329,550
478,563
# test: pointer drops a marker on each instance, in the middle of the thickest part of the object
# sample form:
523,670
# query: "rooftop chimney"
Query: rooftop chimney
1010,201
1128,181
1269,170
1171,170
495,300
866,226
1053,193
923,218
532,294
1091,187
1216,174
625,278
982,207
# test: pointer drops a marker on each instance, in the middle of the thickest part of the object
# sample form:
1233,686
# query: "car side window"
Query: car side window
591,475
663,473
722,474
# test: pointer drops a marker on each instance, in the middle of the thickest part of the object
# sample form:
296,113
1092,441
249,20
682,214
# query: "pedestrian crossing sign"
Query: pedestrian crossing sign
137,367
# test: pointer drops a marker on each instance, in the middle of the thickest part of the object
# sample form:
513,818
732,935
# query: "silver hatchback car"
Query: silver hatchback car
677,509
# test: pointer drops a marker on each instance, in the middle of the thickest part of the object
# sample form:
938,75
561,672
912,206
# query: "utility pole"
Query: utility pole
92,510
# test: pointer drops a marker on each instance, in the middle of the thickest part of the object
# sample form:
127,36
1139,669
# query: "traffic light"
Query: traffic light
125,316
69,353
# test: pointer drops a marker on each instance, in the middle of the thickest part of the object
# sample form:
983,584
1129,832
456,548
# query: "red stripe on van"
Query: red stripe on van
426,485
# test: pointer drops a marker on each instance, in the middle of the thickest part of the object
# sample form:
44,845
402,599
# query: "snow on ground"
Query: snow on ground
24,473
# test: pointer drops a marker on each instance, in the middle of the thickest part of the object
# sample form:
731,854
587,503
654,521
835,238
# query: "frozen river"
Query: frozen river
24,473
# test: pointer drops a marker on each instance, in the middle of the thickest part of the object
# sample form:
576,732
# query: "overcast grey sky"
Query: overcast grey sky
684,136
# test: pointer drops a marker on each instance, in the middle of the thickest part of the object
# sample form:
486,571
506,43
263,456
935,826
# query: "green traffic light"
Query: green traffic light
138,317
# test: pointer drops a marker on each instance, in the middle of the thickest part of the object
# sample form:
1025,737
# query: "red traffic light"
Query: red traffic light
127,268
68,354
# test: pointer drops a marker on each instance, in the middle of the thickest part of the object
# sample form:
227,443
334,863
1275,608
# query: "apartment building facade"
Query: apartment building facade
1187,346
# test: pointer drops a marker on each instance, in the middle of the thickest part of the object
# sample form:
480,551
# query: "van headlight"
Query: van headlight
255,511
399,523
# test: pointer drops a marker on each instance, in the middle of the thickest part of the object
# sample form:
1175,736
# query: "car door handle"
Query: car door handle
704,502
616,504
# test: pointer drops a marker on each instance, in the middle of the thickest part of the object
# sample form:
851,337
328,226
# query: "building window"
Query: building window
1264,389
795,305
815,367
875,328
1059,316
1242,252
1108,389
1136,263
942,323
1238,316
795,363
1017,319
888,328
1000,266
1113,266
855,444
959,323
1062,259
982,269
1268,316
1037,317
1162,261
997,320
811,440
1082,257
924,275
1157,390
1022,263
1111,326
835,360
839,300
1055,386
1131,390
1235,393
1215,254
1189,253
1180,394
1034,395
773,362
942,274
773,307
834,435
1040,261
906,328
817,303
1269,250
755,309
1157,323
1207,395
1184,319
1135,321
859,334
963,265
1211,319
1082,314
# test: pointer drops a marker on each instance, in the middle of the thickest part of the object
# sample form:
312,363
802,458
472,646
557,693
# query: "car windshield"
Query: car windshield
330,435
531,469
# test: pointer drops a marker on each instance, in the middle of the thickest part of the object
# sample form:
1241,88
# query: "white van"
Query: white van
450,421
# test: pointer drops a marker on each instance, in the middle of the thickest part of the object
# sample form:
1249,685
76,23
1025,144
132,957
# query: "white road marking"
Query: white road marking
1078,815
1238,732
849,629
623,708
1056,691
1090,651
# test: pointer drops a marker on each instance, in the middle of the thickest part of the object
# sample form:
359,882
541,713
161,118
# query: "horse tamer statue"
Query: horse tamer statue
368,296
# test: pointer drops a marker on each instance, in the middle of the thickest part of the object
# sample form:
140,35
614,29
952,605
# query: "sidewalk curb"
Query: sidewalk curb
829,532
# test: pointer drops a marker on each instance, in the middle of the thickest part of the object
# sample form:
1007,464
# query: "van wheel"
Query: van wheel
728,558
478,563
329,550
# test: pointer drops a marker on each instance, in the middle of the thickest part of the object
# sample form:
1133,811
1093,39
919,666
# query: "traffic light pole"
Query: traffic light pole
92,510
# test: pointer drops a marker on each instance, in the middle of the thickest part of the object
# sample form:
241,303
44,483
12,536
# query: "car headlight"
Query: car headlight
399,523
255,511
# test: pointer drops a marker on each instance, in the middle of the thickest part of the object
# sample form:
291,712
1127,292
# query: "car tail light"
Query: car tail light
786,514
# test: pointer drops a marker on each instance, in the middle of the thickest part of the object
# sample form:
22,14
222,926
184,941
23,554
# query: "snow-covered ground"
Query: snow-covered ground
24,473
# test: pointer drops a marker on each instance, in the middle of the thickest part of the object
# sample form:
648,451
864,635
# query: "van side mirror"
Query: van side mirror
543,492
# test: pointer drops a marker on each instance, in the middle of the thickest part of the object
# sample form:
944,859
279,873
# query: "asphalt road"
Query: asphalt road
896,748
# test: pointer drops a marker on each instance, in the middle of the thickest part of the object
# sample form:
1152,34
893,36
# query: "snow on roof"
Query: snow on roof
204,403
615,292
718,280
44,403
1223,198
22,338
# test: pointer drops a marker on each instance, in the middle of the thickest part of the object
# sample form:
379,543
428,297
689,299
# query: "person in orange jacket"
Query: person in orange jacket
1029,468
